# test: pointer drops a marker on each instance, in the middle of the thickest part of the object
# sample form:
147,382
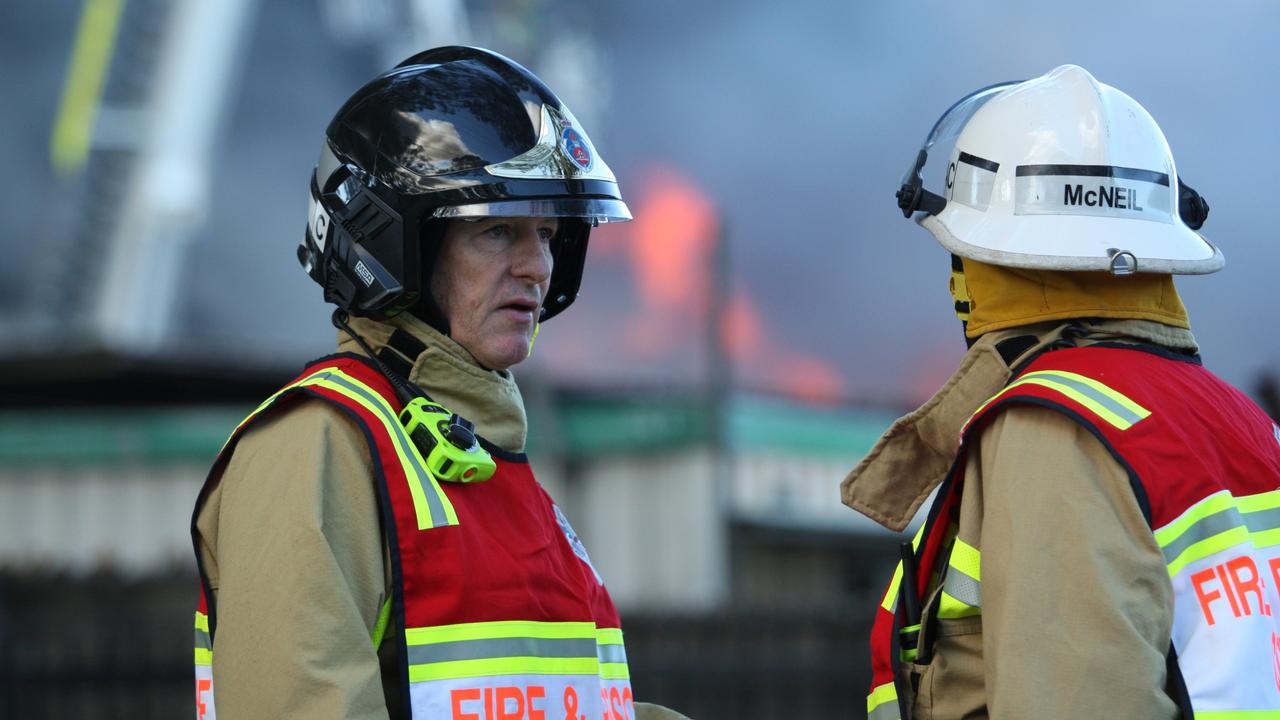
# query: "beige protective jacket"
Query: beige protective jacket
291,544
1077,607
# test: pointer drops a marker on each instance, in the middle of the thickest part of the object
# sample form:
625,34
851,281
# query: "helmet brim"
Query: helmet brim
1068,242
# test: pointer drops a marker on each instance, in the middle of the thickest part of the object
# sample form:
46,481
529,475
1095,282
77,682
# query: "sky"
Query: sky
779,129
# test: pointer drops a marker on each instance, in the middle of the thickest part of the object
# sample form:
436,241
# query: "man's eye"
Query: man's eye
497,231
546,234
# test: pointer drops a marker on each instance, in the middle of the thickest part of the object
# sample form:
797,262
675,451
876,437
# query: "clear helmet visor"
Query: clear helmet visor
948,127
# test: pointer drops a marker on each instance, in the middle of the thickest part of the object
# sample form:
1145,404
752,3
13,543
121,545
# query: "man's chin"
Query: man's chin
502,353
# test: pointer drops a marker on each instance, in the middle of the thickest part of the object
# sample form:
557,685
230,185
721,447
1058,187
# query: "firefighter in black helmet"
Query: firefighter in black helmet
371,540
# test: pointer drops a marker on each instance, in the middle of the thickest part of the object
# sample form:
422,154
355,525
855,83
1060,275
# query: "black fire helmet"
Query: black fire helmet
453,132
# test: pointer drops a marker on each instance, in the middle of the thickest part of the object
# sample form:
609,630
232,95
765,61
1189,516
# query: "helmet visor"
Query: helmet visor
951,123
594,210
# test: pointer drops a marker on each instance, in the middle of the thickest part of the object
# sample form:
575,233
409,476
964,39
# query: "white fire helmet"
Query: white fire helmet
1061,172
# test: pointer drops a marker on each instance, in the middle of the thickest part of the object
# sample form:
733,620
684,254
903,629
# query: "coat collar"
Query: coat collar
452,377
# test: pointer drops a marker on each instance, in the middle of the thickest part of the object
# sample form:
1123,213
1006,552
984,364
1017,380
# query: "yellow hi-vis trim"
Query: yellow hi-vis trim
891,594
380,626
967,559
886,693
1237,714
421,482
1110,406
962,587
459,669
86,76
405,450
204,651
500,629
489,649
1219,522
610,638
1262,515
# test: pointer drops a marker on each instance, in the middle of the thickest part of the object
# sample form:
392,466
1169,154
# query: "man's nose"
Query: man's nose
533,257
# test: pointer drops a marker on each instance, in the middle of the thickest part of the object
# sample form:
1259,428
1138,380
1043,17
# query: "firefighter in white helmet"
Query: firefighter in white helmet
1103,538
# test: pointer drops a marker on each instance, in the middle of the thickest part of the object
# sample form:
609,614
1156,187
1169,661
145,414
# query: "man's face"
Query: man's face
490,281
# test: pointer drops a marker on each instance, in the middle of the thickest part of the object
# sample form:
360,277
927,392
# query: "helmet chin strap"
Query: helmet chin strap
533,338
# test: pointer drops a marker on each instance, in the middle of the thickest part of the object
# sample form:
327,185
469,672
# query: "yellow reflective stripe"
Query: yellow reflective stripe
966,558
951,608
1265,538
503,666
891,594
1218,522
407,454
1259,502
1237,714
500,629
1047,379
1113,407
962,588
881,695
204,657
308,380
202,621
1235,536
615,671
609,636
1117,397
1211,505
380,626
405,450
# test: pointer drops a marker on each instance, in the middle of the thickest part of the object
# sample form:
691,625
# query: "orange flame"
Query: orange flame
673,235
668,248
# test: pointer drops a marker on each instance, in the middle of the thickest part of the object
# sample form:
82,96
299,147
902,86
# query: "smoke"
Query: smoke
667,254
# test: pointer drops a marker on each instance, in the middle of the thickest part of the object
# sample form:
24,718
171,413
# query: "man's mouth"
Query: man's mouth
521,306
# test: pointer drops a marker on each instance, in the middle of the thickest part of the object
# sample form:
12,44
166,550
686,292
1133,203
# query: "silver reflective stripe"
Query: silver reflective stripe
1261,520
203,641
962,587
502,648
885,711
1119,410
1205,528
1116,197
611,653
438,516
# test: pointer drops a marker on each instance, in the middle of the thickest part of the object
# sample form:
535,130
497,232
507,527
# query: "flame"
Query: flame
673,236
804,377
668,250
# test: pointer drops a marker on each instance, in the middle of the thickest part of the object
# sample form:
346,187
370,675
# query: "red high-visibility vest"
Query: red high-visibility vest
496,607
1204,464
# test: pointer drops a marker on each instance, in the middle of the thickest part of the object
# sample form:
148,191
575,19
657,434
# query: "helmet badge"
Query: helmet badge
575,147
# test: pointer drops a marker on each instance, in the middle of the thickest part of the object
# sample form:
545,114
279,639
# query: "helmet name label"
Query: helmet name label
1121,198
1094,194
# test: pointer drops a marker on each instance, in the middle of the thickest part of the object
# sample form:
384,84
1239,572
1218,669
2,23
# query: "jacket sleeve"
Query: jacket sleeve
300,570
1077,603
